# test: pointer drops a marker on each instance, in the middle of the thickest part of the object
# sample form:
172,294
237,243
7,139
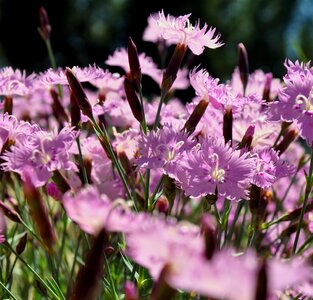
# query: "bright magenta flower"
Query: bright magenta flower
180,31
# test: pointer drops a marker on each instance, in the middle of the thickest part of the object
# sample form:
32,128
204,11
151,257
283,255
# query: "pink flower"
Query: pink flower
270,168
52,77
148,67
41,152
180,31
162,149
213,165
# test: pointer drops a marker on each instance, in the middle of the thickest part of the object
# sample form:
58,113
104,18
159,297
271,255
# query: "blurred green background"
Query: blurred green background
87,31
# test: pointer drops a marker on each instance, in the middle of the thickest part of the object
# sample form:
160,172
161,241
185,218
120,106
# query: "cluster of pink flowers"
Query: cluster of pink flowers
154,171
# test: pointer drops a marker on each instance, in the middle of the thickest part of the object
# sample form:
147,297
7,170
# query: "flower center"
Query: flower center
305,103
169,152
218,174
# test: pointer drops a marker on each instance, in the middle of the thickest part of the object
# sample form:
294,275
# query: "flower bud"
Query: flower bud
10,213
161,290
243,65
169,189
208,228
57,108
196,116
75,112
290,134
8,105
38,213
79,93
125,162
89,278
131,292
134,64
60,182
20,247
45,28
228,125
53,191
247,138
162,204
170,74
267,87
261,291
133,100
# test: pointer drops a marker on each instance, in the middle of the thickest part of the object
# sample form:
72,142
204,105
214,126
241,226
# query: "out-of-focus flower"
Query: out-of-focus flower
213,165
41,153
180,31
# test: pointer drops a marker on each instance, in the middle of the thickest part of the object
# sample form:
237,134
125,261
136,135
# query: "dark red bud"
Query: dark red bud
133,100
20,247
134,64
45,28
243,64
228,125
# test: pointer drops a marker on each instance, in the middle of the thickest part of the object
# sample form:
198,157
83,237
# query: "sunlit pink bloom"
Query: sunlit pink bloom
109,82
213,165
92,211
296,98
41,153
180,31
162,149
52,77
270,168
148,67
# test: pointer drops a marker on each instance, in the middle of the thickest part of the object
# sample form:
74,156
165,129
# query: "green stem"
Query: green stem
65,223
153,201
157,117
308,189
81,161
112,286
232,227
144,124
34,272
8,291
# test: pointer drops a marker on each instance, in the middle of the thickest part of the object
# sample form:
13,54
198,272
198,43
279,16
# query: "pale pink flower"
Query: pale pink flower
180,31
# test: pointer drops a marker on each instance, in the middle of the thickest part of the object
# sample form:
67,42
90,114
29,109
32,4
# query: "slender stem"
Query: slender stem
52,61
81,161
147,188
156,191
8,291
232,227
34,272
144,124
110,278
308,189
157,117
65,223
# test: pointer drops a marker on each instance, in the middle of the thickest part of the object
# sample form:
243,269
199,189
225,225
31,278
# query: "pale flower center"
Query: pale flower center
305,103
218,174
41,155
169,152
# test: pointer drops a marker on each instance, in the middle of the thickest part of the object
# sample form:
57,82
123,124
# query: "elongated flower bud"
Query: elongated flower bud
134,64
74,111
45,28
20,247
267,87
247,138
39,213
53,191
133,100
88,282
255,199
8,105
57,107
161,290
60,181
131,292
79,93
243,65
208,227
169,189
228,125
196,116
291,133
10,212
162,205
262,283
170,74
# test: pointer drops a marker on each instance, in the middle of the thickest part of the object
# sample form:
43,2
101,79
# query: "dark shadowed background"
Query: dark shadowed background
87,31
